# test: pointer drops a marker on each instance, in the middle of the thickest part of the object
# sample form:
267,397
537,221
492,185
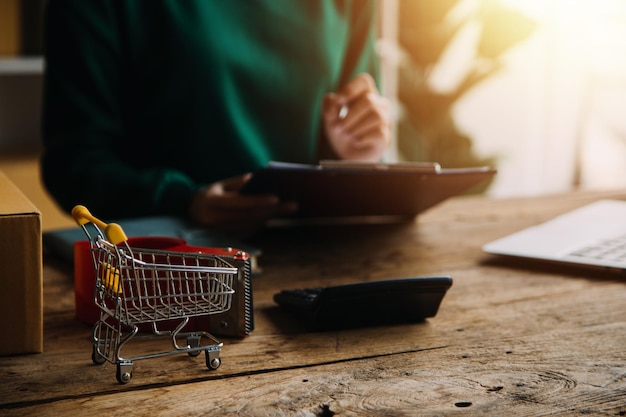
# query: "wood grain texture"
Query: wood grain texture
511,337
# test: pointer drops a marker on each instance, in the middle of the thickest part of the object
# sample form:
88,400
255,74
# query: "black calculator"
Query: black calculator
371,303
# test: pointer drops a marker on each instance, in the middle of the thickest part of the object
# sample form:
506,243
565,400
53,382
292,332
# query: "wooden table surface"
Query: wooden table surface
511,337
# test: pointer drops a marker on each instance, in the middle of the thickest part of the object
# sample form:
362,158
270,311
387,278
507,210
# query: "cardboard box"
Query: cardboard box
21,272
9,28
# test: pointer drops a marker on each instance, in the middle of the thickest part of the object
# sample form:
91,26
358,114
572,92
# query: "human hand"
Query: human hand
357,120
220,204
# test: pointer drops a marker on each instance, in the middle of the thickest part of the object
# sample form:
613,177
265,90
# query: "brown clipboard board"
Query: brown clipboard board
349,189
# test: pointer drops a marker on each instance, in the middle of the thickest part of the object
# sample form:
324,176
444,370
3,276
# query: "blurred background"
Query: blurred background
535,88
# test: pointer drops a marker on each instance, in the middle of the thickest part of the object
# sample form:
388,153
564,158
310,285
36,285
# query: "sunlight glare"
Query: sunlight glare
593,31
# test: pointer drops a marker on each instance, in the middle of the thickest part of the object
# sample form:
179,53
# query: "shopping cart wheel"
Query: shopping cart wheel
96,357
124,372
213,360
193,341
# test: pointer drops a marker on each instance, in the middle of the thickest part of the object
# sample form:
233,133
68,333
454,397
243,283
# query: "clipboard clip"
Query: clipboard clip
426,167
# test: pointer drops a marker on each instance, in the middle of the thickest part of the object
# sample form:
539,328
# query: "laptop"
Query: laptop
593,235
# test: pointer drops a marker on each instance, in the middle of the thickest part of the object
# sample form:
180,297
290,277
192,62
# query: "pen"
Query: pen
343,112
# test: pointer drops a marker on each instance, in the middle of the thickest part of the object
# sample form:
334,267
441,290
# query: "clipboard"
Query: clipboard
355,189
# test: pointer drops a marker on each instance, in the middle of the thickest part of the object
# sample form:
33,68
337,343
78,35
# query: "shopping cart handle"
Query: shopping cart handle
115,234
113,231
82,216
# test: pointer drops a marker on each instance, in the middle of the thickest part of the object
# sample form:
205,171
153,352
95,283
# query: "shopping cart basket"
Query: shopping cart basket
138,288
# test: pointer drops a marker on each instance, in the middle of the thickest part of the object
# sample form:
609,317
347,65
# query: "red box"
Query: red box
237,322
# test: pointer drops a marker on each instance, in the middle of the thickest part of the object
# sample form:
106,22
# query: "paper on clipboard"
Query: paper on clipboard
349,189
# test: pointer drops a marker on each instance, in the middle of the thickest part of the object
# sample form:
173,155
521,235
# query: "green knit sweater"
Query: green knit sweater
145,101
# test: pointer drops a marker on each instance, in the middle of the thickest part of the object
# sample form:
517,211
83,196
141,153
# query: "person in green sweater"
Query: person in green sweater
165,107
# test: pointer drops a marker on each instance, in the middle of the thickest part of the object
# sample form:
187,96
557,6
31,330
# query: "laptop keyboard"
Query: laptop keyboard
613,249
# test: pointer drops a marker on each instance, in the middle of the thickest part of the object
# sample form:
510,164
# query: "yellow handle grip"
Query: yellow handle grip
82,216
114,232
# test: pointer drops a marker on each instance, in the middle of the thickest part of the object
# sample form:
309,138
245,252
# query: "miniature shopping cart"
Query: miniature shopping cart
138,289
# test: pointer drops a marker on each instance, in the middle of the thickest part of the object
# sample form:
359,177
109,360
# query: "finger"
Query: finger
338,106
358,86
368,134
235,183
331,108
370,108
